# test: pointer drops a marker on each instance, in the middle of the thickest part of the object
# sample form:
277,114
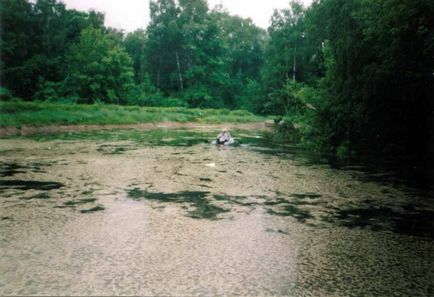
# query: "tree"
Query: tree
35,38
205,73
18,44
99,70
286,56
135,45
242,44
164,40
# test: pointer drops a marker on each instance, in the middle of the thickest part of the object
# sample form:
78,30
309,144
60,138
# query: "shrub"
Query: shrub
5,94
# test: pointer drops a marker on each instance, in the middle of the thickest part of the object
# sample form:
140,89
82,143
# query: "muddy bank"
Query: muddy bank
30,130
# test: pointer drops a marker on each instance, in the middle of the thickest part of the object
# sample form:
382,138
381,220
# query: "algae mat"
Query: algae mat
162,212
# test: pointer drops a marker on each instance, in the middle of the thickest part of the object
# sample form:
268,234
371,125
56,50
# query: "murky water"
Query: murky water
162,212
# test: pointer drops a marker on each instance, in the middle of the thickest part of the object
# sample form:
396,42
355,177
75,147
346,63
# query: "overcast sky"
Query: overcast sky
133,14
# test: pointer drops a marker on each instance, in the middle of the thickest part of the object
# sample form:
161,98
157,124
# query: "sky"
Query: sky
130,15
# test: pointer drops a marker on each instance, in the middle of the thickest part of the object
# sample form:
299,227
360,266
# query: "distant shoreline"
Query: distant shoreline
49,129
26,118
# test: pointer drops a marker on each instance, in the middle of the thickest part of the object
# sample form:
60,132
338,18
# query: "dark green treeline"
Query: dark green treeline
343,74
188,56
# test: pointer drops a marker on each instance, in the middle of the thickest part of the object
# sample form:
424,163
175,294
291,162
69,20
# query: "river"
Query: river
163,212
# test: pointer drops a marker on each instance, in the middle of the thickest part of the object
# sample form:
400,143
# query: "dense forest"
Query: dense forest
344,75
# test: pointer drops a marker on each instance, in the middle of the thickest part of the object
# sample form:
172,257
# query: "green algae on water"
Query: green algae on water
37,196
29,185
305,195
203,209
293,211
11,169
205,179
92,209
80,201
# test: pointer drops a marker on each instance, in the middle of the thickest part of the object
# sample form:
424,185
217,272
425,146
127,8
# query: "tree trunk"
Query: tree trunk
293,72
181,84
158,72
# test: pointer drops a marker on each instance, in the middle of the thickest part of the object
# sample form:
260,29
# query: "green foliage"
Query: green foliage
145,94
36,113
343,150
285,57
199,96
342,74
252,98
5,94
205,58
98,70
34,39
363,74
49,91
135,45
18,44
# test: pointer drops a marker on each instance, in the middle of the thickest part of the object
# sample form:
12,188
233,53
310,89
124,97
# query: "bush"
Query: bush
199,97
343,150
240,112
48,91
172,102
5,94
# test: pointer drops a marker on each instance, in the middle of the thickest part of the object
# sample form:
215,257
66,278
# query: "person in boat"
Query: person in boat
224,137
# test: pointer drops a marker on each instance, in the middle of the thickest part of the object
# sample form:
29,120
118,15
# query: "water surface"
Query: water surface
163,212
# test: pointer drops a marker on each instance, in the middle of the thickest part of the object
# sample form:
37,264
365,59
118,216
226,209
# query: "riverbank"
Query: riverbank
20,114
31,130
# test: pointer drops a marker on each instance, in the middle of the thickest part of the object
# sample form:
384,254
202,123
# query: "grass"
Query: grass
36,113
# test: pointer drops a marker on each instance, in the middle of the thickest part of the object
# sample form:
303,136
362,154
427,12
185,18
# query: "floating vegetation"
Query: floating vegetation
154,137
240,200
37,196
203,209
205,179
8,169
206,211
80,201
277,201
29,185
276,231
293,211
93,209
112,149
64,206
413,222
87,200
11,169
305,195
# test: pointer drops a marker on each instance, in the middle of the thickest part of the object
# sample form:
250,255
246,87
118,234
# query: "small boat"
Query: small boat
229,142
224,135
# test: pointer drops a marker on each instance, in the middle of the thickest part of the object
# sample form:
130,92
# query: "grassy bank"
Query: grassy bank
19,113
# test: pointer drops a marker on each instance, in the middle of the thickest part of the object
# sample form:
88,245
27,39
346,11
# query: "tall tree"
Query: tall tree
135,45
286,56
18,44
99,69
164,40
205,73
242,43
35,39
